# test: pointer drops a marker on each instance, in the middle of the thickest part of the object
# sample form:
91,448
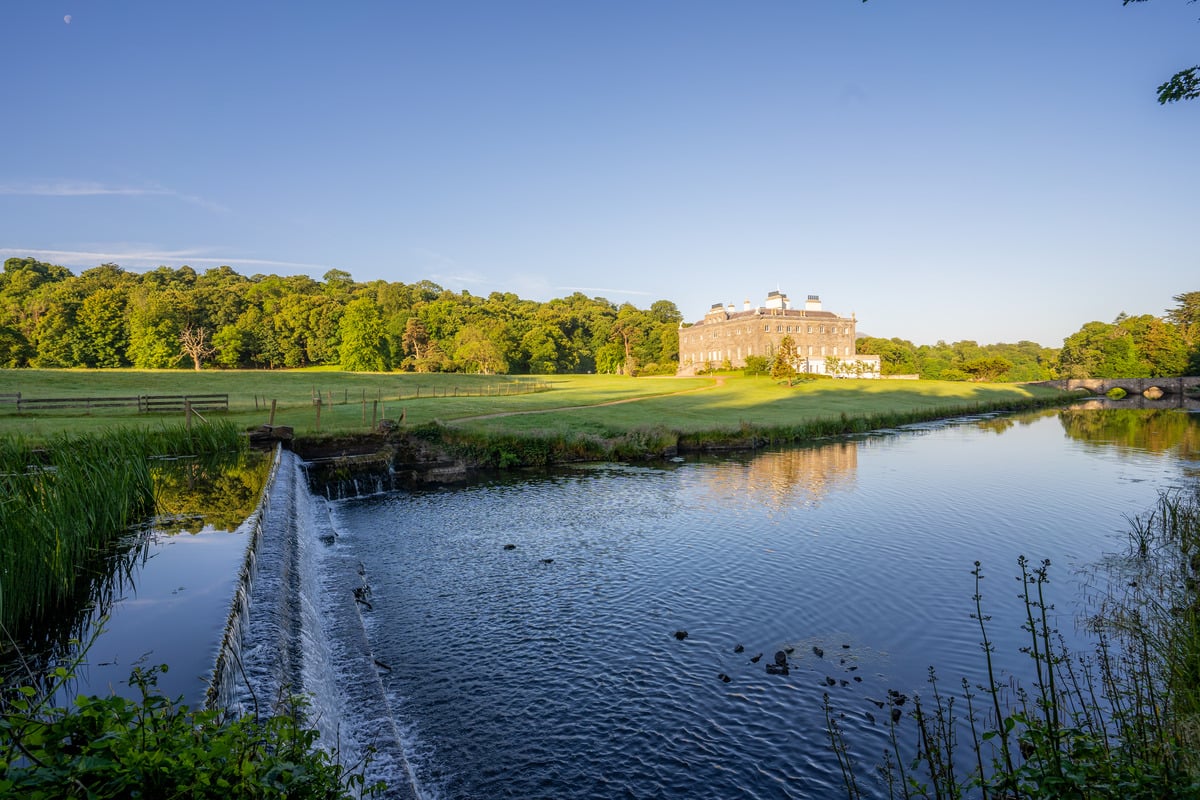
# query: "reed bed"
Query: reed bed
63,503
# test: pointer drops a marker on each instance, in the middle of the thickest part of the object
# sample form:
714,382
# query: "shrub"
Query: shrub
113,747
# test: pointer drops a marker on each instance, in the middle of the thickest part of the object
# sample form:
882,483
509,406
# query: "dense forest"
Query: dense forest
110,317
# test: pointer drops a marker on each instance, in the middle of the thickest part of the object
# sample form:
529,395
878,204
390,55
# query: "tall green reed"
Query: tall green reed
66,500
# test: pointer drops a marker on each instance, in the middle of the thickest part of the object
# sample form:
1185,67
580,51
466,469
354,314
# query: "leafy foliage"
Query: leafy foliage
107,317
114,747
1183,85
1129,347
965,360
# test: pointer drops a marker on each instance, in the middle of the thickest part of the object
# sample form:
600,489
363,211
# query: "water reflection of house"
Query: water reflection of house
824,341
792,477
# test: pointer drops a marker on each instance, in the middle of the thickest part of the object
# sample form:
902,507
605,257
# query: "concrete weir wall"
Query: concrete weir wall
295,628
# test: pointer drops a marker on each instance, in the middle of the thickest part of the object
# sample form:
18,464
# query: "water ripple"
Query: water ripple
531,624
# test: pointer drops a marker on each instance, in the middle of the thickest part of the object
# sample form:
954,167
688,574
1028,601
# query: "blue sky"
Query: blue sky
943,169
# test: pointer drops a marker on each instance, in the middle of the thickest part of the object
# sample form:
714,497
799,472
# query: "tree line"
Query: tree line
1142,346
110,317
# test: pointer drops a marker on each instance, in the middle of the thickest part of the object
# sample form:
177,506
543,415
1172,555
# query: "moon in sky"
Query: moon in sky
67,19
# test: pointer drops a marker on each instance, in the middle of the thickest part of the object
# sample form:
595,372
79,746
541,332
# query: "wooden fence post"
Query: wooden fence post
374,413
187,413
318,414
271,421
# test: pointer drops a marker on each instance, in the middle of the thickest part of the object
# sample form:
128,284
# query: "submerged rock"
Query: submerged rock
780,658
681,635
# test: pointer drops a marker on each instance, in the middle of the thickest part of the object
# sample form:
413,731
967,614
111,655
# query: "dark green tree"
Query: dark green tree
987,368
1183,85
364,346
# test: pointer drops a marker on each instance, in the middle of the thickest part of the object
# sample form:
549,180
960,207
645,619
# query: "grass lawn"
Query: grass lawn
553,404
734,401
421,398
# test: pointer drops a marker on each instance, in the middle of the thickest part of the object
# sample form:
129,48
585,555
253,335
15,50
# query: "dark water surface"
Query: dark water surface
529,622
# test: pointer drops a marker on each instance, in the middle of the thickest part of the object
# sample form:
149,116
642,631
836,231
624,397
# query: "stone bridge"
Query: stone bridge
1181,386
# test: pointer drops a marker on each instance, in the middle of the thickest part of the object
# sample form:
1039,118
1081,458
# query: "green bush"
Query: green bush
113,747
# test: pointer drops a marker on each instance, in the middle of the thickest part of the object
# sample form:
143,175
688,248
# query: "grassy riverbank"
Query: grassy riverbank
557,405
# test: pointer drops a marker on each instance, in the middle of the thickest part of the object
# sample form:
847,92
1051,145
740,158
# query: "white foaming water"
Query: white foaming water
295,629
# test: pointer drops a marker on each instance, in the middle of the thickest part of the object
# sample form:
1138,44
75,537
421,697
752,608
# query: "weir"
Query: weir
294,628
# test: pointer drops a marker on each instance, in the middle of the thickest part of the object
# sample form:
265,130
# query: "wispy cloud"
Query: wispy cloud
138,258
92,189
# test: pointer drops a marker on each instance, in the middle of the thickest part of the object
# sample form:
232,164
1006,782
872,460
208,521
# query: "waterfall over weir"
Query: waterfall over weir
294,628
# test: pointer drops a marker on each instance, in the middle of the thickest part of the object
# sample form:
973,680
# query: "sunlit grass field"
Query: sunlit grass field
550,404
733,401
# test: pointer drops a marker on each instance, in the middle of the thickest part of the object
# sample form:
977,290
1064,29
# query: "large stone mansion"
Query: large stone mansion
824,341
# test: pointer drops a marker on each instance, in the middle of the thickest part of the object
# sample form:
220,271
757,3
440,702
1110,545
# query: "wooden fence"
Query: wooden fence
145,404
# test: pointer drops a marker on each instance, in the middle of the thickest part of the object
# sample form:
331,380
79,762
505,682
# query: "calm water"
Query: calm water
168,598
529,624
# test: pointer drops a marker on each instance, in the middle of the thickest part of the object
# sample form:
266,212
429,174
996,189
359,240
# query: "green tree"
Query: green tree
156,318
547,350
987,368
896,356
416,342
15,350
1160,347
101,320
1183,85
756,365
783,367
475,352
234,346
1100,350
1186,317
364,346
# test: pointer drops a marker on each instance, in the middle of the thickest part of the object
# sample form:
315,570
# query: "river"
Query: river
529,629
